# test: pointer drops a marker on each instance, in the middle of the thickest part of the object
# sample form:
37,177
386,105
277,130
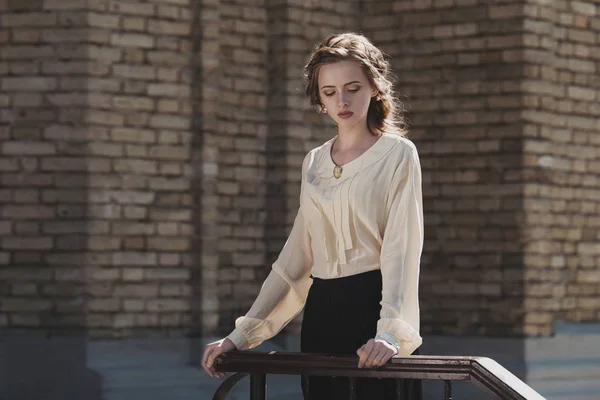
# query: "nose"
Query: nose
343,101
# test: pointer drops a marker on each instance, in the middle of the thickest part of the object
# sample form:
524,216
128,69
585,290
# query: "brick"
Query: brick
589,249
133,274
166,168
103,243
169,184
9,164
168,74
102,20
5,227
134,243
30,19
174,2
133,305
168,137
35,84
580,7
167,58
74,35
29,305
170,215
127,7
167,106
135,212
167,305
67,5
129,197
170,260
135,40
26,243
133,135
133,103
28,212
22,52
104,305
170,152
142,72
27,228
130,228
168,11
26,195
134,258
169,90
167,243
104,118
26,36
134,24
135,166
27,100
129,290
161,27
104,54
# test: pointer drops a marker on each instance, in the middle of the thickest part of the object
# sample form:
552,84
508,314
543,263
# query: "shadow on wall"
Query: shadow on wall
43,282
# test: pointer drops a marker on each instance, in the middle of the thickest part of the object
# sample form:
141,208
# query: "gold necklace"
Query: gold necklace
337,169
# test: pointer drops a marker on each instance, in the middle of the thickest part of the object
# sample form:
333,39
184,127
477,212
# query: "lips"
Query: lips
345,115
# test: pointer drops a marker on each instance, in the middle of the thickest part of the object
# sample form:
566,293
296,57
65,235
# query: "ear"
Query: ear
374,92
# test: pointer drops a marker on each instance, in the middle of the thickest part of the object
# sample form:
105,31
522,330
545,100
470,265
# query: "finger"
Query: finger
372,355
364,354
359,351
361,357
382,356
210,362
205,361
369,346
207,350
377,358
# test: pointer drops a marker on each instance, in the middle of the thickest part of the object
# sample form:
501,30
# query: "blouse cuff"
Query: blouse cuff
246,334
238,338
404,335
389,338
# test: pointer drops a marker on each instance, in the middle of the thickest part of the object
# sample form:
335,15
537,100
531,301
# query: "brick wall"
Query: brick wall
45,167
151,151
502,100
97,207
459,70
561,162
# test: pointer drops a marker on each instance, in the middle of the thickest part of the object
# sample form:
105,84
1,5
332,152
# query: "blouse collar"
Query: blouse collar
370,156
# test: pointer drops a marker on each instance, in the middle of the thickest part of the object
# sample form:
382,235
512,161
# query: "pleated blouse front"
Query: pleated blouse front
370,218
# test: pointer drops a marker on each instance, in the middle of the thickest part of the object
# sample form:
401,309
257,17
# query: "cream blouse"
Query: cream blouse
370,218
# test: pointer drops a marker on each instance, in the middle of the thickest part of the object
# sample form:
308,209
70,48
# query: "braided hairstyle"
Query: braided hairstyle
384,114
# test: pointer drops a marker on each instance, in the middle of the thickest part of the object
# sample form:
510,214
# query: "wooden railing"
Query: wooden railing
483,372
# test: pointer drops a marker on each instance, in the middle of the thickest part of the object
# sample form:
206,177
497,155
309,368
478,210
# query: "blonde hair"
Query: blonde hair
384,114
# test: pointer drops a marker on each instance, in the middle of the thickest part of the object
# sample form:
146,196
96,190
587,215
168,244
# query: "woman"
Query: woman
352,257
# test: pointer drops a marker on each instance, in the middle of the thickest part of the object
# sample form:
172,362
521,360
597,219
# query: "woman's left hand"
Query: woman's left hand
375,353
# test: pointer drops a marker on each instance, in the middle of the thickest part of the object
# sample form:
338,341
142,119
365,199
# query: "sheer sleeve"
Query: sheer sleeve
283,293
400,257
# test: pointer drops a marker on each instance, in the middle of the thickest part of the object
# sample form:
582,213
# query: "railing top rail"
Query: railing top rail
483,372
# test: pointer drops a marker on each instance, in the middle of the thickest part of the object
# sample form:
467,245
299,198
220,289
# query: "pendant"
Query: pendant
337,171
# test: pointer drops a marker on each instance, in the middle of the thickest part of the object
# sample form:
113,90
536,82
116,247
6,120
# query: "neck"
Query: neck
352,137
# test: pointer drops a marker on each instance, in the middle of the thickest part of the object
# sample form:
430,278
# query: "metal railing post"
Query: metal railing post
352,388
447,390
258,387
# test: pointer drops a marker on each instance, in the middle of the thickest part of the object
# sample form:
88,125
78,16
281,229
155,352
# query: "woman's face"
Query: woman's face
345,92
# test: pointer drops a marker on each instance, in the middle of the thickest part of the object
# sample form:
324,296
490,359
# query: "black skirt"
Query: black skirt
339,317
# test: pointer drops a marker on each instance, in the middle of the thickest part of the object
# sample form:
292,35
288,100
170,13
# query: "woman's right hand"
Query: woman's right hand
211,352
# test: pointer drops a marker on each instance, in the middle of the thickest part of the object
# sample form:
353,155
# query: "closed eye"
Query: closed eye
329,94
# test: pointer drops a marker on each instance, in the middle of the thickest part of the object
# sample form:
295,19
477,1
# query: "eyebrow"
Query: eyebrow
346,84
